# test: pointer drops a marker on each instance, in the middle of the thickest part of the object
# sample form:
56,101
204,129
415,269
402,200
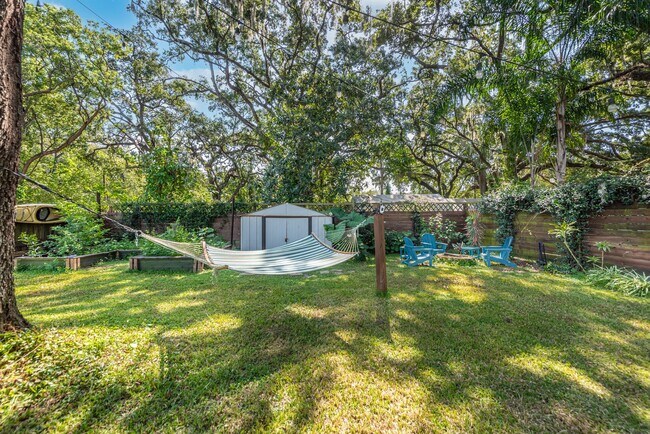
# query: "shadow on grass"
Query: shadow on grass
491,351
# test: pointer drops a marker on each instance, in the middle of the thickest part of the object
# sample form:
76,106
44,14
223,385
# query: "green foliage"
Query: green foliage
559,267
192,215
179,233
69,79
34,245
418,224
445,230
603,247
623,280
81,234
564,231
168,176
573,202
126,242
473,228
395,240
334,232
350,220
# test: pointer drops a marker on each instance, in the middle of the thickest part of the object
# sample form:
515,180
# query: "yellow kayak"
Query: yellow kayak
42,213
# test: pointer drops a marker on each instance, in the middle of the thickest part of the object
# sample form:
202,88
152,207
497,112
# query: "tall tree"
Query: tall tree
68,78
12,13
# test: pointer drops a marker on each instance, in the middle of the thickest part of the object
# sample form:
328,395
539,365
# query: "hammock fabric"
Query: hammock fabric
301,256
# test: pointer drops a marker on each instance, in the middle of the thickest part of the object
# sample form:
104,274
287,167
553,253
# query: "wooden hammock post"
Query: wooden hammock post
380,253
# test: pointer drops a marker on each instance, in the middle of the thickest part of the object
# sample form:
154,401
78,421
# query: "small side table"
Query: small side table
471,251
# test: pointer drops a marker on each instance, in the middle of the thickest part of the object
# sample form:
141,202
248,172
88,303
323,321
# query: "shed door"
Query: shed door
280,230
276,232
297,229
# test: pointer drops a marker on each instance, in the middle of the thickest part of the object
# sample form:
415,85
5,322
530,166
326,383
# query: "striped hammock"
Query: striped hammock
301,256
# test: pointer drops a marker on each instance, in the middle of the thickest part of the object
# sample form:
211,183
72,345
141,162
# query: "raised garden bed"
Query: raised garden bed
165,263
25,262
72,262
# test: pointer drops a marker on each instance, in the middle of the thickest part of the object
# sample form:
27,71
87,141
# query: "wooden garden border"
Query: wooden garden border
165,263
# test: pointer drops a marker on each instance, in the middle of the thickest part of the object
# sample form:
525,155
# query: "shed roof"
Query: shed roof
287,209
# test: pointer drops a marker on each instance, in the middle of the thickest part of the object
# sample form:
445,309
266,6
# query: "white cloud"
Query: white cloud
374,4
194,73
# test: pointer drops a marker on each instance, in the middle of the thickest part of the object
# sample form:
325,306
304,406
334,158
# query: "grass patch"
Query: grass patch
460,349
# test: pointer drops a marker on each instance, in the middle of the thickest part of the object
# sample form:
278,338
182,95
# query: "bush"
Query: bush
394,239
179,233
445,230
561,267
34,245
80,235
473,228
622,280
192,215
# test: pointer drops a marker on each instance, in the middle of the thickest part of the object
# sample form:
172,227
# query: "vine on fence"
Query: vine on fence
574,202
191,215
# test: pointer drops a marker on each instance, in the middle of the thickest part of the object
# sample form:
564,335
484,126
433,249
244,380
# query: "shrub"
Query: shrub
445,230
473,228
563,231
179,233
622,280
80,235
126,242
394,239
561,267
34,245
192,215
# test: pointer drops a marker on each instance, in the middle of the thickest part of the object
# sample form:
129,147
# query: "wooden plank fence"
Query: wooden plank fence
626,228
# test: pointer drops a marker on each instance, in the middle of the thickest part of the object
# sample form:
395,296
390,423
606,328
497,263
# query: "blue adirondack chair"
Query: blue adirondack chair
415,255
429,240
498,254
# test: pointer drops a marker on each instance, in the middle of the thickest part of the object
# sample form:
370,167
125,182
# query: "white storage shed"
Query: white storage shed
279,225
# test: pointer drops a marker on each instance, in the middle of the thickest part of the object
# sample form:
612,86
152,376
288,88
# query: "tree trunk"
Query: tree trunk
510,166
482,180
560,123
533,160
11,116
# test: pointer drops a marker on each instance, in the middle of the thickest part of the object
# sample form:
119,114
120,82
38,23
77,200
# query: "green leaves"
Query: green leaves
571,205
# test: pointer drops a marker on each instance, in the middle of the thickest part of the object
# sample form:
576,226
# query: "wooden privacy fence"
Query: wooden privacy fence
625,228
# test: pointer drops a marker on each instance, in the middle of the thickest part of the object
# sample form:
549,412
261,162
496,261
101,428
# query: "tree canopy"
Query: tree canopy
305,101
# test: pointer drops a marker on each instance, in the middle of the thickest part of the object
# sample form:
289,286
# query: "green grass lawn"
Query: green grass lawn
453,349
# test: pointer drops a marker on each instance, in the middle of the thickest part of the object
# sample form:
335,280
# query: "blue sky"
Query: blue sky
113,11
116,14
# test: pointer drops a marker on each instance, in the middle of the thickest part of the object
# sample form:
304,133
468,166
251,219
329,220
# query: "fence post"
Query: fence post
380,254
